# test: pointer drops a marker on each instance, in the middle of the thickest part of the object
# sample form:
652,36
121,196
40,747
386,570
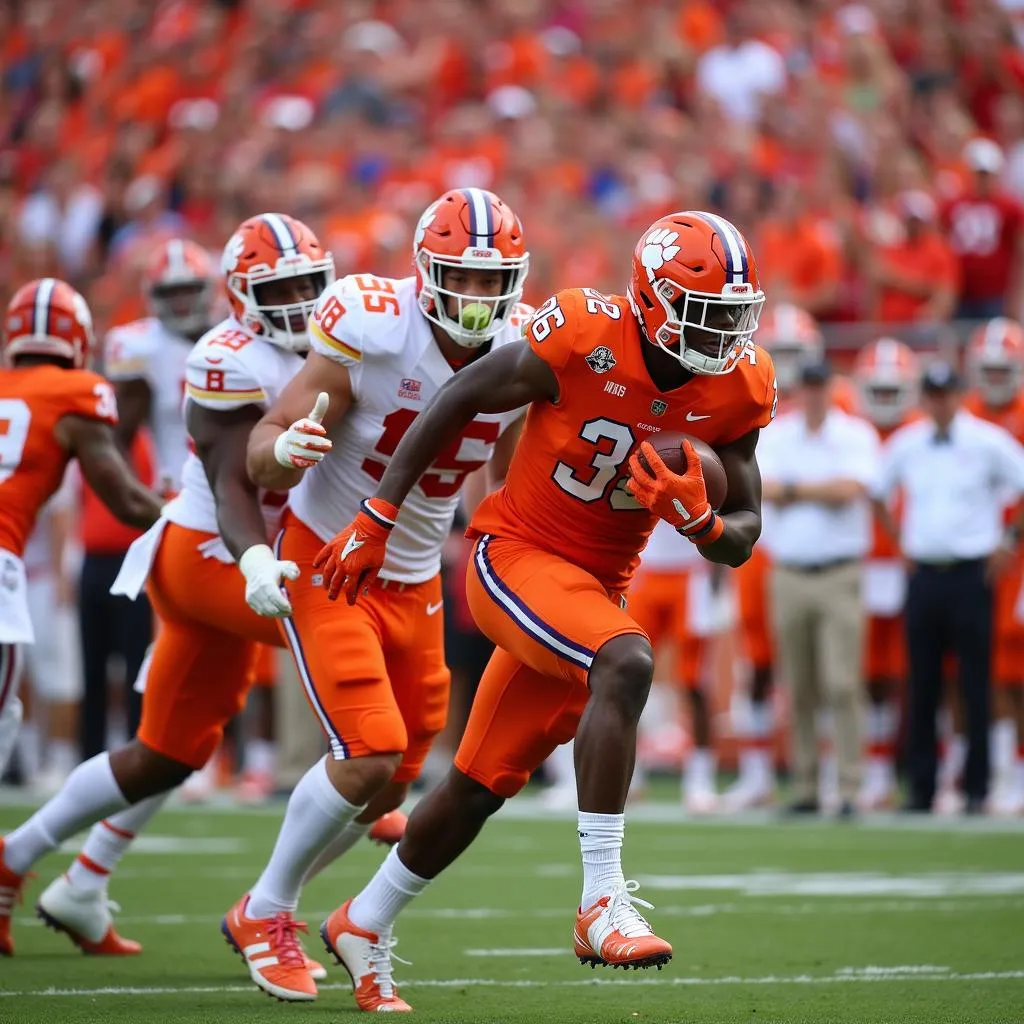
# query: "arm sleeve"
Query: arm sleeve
89,395
218,376
336,330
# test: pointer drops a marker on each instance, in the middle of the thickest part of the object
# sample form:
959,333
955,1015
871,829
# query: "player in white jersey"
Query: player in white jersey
146,358
375,672
212,616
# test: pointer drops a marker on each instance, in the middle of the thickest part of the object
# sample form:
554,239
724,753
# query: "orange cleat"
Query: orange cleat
367,958
270,948
83,915
10,896
389,828
612,933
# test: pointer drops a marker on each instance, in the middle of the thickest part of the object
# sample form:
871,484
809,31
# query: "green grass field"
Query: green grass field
880,921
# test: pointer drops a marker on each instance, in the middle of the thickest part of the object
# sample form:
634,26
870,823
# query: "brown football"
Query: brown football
669,446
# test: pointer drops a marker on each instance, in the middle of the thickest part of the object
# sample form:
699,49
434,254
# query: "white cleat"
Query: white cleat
84,916
700,801
949,802
746,793
1007,802
367,958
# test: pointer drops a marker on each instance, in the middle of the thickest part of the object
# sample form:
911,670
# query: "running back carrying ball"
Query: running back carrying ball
669,446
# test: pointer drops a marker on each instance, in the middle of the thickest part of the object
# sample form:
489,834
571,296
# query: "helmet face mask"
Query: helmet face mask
473,232
998,380
995,361
275,270
887,381
184,309
694,290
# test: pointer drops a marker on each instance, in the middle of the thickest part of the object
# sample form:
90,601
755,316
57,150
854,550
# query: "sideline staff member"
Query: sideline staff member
956,473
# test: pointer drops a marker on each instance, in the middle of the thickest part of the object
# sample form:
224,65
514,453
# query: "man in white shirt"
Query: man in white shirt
957,474
816,465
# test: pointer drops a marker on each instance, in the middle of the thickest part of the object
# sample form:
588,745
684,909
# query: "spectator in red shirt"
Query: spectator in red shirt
985,227
913,278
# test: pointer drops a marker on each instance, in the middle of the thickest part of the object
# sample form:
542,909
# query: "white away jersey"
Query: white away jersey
146,350
228,368
374,327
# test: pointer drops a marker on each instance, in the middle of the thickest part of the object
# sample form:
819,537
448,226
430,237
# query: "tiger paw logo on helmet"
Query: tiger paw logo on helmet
659,249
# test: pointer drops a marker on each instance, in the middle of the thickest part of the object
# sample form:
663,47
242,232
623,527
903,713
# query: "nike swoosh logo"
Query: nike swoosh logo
433,609
352,544
690,418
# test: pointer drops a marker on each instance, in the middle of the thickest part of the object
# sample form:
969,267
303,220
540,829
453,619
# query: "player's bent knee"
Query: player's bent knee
360,779
141,772
622,671
480,799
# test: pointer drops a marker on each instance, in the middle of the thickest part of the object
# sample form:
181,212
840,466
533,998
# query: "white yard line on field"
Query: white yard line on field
846,976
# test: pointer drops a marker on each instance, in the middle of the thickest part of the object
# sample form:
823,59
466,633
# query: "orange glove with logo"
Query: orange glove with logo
679,500
354,557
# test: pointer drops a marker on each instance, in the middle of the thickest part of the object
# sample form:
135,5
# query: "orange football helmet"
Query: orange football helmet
695,291
47,317
275,247
472,229
995,360
791,337
887,375
178,285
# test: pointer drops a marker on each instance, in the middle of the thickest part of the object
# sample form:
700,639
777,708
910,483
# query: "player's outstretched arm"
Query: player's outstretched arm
134,401
508,378
741,513
220,440
292,436
511,377
95,445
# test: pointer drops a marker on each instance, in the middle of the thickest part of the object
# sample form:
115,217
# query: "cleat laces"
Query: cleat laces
282,932
623,915
379,963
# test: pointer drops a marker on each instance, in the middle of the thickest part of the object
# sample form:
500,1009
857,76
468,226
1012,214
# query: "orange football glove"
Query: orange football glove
354,557
679,500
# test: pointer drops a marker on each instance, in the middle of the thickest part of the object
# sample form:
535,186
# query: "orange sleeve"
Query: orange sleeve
87,394
551,331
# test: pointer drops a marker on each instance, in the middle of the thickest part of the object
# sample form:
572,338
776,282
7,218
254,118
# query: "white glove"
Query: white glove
263,574
305,442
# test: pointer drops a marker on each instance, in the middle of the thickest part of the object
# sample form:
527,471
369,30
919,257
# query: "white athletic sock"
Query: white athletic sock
386,895
260,757
316,813
1003,740
63,756
108,841
699,774
601,847
952,764
90,793
756,760
341,843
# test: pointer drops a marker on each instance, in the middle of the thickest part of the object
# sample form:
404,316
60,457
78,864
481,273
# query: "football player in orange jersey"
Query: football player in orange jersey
995,364
557,546
886,372
52,409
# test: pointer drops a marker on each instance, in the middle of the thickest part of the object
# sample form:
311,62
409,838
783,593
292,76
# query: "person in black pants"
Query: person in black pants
956,473
110,627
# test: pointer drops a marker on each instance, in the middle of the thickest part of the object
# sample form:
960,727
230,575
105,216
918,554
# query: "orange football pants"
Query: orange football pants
1008,632
548,618
660,604
755,615
887,649
374,672
204,658
265,670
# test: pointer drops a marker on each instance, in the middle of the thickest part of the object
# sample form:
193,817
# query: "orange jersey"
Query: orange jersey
565,492
1009,417
32,401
